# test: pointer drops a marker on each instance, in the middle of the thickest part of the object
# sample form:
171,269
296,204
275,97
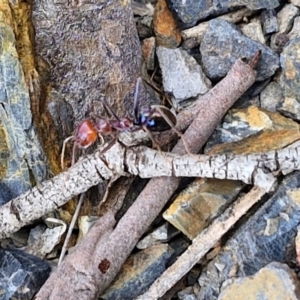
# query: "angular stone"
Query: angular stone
275,281
290,79
193,36
252,130
223,44
253,30
165,27
138,273
161,234
22,155
286,17
22,274
192,11
271,96
295,32
42,240
200,203
254,245
269,20
182,75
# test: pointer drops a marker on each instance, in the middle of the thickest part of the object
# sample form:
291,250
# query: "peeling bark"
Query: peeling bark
258,169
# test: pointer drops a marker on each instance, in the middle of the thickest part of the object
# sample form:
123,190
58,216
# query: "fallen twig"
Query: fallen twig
258,169
202,244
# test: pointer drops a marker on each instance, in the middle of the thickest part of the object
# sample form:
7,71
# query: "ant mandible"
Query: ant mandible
154,118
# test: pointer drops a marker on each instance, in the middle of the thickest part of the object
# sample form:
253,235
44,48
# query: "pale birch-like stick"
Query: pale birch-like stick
254,169
202,244
51,194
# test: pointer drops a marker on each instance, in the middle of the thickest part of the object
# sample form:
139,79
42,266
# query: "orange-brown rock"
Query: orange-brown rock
165,27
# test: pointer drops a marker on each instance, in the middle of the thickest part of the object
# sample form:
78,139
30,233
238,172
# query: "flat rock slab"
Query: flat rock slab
223,44
191,11
22,274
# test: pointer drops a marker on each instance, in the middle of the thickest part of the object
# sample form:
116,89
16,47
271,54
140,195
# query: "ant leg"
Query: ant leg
63,150
110,144
136,100
167,119
108,188
101,138
109,109
73,153
154,143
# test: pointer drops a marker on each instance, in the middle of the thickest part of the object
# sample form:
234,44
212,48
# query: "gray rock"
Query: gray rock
286,17
223,44
267,236
21,274
138,272
275,281
271,96
295,32
290,79
21,153
269,20
182,75
192,11
187,294
161,234
253,30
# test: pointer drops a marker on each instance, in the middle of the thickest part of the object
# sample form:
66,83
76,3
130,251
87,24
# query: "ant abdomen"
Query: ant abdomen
86,134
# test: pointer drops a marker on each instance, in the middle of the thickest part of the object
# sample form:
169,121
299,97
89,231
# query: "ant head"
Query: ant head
158,118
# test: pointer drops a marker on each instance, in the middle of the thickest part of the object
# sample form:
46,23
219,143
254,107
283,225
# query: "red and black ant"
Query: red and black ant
155,118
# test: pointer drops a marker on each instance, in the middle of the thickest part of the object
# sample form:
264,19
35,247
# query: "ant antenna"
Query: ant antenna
108,108
136,101
160,109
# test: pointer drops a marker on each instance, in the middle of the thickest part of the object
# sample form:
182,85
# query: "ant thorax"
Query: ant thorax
104,127
125,124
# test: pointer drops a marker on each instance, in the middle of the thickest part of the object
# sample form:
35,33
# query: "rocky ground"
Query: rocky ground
187,49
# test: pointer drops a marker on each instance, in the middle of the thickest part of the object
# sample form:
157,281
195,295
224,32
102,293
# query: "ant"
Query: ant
154,118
